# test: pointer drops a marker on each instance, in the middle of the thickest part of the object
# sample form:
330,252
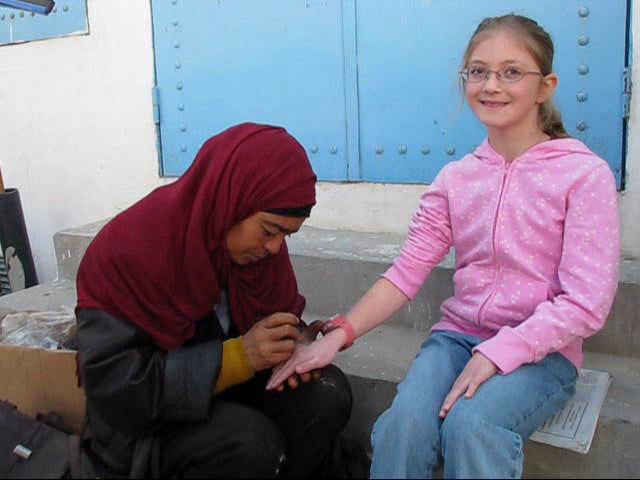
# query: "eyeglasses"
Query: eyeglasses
507,74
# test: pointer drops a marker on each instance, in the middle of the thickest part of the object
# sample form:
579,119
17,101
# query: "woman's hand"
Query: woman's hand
478,370
309,357
271,341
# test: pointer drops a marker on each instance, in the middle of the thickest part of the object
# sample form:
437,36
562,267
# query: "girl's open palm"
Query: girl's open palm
308,357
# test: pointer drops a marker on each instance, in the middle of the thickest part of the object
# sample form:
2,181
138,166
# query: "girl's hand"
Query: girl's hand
308,334
294,380
478,370
310,357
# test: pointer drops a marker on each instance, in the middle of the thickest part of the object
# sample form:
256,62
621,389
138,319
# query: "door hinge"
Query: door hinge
626,92
155,94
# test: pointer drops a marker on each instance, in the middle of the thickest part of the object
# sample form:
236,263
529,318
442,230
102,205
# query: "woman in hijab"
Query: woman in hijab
186,302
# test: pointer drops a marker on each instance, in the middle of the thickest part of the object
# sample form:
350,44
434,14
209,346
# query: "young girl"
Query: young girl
533,218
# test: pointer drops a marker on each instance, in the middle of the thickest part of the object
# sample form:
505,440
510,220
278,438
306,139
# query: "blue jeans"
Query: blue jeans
481,437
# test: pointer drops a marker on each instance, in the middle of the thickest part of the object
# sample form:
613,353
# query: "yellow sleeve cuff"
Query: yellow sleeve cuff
235,367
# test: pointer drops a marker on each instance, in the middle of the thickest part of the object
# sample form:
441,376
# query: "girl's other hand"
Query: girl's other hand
478,370
307,358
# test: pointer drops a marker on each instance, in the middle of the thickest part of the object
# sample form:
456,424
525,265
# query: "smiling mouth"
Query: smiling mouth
493,104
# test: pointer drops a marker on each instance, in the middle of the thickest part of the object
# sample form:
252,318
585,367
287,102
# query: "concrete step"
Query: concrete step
334,268
379,360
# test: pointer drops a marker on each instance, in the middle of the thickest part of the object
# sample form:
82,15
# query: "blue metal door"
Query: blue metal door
412,120
224,62
369,87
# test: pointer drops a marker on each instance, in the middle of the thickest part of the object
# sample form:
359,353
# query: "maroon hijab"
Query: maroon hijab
162,263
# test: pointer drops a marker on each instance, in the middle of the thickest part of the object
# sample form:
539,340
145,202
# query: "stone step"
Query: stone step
334,268
380,359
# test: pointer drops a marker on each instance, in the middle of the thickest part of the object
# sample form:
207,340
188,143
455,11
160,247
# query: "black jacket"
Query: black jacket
134,388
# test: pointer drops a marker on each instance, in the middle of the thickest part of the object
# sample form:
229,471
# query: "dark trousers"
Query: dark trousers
253,433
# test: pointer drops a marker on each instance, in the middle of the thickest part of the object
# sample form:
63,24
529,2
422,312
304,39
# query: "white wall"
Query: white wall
76,123
78,140
630,201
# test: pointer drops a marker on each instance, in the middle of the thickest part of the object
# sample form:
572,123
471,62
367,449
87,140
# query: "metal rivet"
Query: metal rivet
181,107
2,17
176,44
583,40
582,126
173,2
582,96
183,128
180,86
583,69
175,23
183,148
333,150
314,149
402,149
379,150
451,150
178,66
12,16
66,8
426,150
21,14
584,11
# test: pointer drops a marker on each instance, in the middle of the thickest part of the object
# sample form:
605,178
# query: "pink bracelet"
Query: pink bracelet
340,321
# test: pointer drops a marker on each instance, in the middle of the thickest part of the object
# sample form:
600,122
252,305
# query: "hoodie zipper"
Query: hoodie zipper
483,307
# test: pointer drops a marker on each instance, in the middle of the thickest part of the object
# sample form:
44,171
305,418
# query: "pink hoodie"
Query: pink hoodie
537,249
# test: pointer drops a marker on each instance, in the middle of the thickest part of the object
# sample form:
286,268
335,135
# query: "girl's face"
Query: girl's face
503,106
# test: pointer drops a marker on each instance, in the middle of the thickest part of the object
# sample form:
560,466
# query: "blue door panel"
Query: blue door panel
412,118
369,87
225,62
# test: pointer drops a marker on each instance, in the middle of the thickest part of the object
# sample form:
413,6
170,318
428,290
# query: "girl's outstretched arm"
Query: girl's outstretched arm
377,305
430,238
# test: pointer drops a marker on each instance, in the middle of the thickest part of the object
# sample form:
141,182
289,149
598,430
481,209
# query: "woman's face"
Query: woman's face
259,236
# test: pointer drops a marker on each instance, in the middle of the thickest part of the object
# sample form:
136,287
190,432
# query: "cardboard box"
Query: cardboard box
38,380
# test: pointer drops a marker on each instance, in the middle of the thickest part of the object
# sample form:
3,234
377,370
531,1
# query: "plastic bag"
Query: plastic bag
46,330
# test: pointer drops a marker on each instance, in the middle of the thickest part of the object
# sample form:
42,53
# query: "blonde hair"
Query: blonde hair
540,45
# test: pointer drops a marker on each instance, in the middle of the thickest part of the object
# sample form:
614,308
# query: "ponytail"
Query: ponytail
550,121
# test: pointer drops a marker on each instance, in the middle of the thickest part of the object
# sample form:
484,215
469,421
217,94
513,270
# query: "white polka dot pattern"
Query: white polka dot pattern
537,249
